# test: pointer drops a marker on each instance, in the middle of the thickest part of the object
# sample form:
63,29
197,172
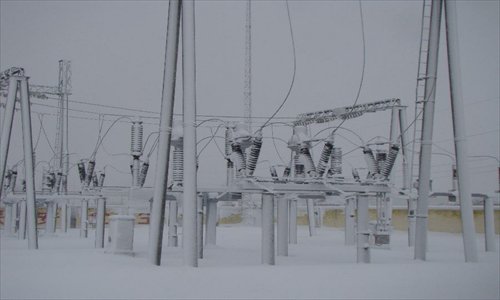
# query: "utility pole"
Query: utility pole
247,91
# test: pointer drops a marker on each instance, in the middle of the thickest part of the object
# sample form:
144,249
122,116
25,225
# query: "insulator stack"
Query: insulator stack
95,181
58,181
7,180
13,180
355,174
144,173
336,162
238,159
381,156
81,171
101,179
324,158
298,171
90,172
306,159
227,141
273,172
253,157
52,179
136,138
45,181
370,161
389,162
286,172
178,165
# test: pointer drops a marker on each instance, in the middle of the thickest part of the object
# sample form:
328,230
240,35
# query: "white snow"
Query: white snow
319,267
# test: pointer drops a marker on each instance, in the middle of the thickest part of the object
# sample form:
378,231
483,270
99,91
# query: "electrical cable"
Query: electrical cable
47,138
274,143
39,132
212,137
364,61
294,69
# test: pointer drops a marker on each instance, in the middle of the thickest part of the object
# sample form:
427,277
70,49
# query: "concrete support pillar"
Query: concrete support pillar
172,224
21,233
292,239
363,234
489,225
50,219
84,218
282,224
267,253
63,216
350,221
100,222
310,216
211,226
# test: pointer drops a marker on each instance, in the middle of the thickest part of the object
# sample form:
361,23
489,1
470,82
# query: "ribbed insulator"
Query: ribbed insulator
95,181
81,171
52,179
13,180
286,172
238,159
144,173
324,158
389,162
336,161
45,181
57,185
306,159
7,179
380,156
370,161
355,174
178,165
102,176
253,157
299,171
273,172
136,138
90,172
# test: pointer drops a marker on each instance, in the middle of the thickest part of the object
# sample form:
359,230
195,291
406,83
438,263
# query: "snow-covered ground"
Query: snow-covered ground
67,267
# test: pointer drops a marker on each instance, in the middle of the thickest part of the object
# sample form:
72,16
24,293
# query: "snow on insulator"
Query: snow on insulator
370,161
253,157
13,180
299,171
178,165
389,162
324,158
238,158
381,156
102,175
95,181
336,162
52,179
136,138
286,172
307,161
81,171
57,181
355,174
227,141
241,135
273,172
90,172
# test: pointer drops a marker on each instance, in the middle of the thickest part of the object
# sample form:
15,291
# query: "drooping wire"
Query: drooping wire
46,137
274,143
209,141
364,61
294,69
39,132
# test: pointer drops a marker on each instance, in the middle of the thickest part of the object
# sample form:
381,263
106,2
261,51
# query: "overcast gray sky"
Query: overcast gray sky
117,50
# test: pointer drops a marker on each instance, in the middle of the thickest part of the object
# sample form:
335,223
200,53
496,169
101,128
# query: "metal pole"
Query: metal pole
404,148
427,128
199,226
489,225
84,218
21,234
167,108
267,254
189,113
7,221
172,224
458,116
310,216
100,222
282,225
211,229
7,128
292,239
363,245
50,219
350,221
14,221
29,166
